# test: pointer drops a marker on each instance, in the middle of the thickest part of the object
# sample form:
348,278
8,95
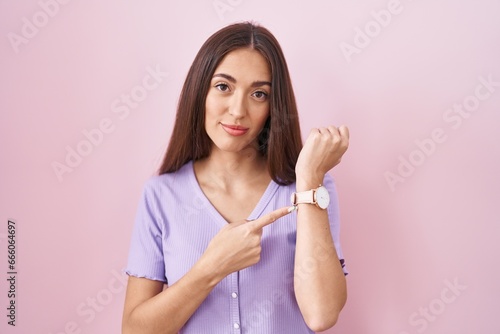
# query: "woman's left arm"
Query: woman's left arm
319,281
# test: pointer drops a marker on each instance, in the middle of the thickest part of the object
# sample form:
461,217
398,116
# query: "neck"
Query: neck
231,169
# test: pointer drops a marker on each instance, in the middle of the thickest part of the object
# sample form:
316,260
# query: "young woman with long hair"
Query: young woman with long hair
239,232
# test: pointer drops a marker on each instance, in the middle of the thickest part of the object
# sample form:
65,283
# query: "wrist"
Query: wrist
210,272
317,195
309,182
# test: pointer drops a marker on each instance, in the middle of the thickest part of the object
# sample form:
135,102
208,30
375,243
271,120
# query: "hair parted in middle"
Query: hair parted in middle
280,139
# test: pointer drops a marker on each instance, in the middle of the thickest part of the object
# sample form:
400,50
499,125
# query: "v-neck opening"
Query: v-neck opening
268,194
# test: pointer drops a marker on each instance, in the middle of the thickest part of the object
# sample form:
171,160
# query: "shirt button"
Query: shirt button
236,325
234,295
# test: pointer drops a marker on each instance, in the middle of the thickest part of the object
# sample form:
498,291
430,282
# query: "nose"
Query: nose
237,106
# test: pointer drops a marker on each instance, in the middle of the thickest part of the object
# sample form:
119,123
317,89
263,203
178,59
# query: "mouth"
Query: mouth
234,130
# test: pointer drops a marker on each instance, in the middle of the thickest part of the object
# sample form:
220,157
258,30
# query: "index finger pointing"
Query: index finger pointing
270,217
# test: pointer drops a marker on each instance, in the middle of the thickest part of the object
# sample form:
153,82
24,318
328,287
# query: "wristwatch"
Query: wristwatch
318,196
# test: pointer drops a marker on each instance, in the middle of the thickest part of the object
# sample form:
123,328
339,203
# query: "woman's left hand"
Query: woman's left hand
322,151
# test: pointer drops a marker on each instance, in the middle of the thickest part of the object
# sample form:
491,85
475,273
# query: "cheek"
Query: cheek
263,115
213,106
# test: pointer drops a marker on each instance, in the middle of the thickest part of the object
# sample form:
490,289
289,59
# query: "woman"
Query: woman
215,248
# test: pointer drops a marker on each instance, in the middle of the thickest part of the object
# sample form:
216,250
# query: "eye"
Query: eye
222,87
260,95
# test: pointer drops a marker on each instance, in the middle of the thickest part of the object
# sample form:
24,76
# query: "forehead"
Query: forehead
245,64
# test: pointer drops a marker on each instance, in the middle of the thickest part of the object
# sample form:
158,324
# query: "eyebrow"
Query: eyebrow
233,80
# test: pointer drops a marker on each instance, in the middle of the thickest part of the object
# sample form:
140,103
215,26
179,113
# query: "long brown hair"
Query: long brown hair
280,141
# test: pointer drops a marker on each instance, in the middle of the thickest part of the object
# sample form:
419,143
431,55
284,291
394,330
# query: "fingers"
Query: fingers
337,135
344,131
270,217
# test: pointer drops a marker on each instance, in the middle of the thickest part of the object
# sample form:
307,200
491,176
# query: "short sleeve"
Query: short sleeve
334,218
146,251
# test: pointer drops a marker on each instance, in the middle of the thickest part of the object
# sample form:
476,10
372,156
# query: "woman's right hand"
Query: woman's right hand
238,245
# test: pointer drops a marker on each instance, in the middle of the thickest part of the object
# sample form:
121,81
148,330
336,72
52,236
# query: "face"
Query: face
237,104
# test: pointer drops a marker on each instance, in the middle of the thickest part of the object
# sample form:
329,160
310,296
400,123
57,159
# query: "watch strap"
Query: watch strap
303,197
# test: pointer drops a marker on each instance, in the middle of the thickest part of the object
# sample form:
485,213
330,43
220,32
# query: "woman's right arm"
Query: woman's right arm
149,310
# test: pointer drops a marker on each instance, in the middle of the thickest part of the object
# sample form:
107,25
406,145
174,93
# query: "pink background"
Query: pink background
438,225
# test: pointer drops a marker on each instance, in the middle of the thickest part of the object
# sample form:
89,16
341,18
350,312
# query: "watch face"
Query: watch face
322,197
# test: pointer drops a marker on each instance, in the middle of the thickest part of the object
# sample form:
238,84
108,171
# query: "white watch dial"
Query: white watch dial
322,197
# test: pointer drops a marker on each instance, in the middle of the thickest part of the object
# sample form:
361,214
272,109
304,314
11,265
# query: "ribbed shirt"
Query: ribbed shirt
175,222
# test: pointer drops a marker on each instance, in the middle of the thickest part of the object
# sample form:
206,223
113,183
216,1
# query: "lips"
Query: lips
234,130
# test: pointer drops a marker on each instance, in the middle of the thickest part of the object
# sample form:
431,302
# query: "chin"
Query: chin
231,147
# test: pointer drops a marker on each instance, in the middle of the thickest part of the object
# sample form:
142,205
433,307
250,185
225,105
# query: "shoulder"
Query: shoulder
329,182
159,185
